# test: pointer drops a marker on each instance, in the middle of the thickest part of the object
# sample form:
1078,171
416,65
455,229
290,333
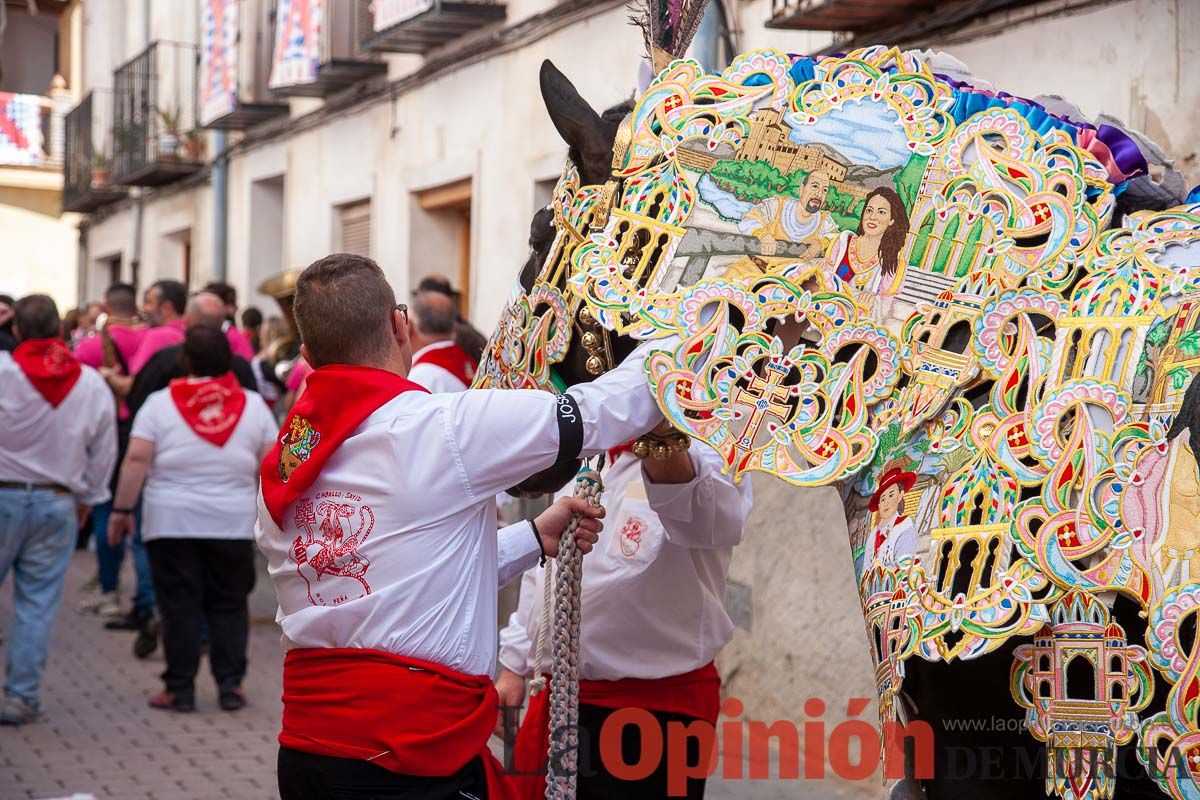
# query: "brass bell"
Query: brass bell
585,317
594,365
590,341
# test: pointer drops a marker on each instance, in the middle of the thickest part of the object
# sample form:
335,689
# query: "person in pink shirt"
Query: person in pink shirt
121,327
163,307
238,342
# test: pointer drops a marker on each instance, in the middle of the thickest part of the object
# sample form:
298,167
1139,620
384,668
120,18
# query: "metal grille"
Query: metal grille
344,26
87,153
155,97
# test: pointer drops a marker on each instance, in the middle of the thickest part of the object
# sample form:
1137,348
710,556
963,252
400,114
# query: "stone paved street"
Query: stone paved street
98,738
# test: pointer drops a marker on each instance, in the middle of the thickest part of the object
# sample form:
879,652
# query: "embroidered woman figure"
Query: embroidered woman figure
867,261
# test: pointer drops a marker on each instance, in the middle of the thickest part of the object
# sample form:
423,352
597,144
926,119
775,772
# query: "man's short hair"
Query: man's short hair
343,309
223,290
435,313
36,317
206,309
252,317
121,298
206,352
173,292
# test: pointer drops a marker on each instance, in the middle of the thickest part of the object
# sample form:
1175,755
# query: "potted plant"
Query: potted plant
168,138
99,169
193,145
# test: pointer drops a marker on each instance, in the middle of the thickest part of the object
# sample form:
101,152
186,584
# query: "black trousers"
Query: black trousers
203,580
304,776
595,782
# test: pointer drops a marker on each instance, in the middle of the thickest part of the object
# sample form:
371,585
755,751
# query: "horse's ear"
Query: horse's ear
578,124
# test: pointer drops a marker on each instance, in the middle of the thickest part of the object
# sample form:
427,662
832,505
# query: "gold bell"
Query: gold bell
594,365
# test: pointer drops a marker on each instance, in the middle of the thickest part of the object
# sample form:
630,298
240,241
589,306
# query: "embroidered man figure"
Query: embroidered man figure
799,219
296,446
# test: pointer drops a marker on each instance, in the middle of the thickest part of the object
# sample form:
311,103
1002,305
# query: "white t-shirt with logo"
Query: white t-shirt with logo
196,490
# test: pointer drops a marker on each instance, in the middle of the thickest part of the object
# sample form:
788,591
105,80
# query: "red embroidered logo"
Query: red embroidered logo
58,362
631,535
327,554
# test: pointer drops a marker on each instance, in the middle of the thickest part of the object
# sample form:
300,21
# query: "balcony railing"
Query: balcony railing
154,119
31,127
316,56
87,154
417,26
235,62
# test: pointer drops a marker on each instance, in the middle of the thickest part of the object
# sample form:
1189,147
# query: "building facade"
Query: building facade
233,139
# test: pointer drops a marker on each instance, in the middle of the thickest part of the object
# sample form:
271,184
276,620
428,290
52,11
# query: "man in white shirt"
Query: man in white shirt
653,611
378,521
439,363
58,445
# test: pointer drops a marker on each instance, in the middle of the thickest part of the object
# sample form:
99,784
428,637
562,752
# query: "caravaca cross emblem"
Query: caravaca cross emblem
296,446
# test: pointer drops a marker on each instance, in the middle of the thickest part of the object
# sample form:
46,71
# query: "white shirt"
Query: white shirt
74,444
196,490
654,587
414,487
434,378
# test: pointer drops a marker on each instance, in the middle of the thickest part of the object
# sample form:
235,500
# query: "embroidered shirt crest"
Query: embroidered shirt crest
296,445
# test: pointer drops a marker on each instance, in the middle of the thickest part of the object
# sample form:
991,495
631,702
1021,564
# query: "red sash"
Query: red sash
451,358
335,402
210,407
408,716
696,694
50,367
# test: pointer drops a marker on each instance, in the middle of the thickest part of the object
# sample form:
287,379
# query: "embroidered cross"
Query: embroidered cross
768,397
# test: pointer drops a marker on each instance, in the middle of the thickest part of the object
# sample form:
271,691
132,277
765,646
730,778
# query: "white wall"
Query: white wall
39,246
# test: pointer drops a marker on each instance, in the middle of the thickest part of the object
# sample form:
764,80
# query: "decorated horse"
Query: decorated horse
973,315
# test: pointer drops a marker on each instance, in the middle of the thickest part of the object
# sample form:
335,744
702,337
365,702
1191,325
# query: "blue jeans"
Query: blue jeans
109,558
37,537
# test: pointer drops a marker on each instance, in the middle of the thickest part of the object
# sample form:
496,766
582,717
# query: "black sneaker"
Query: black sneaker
147,639
232,699
168,701
126,622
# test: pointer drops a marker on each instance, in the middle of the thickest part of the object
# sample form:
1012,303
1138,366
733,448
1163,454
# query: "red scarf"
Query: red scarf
881,536
451,358
696,694
408,716
335,402
211,407
50,367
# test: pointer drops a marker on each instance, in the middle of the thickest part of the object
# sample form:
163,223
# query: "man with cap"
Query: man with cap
378,521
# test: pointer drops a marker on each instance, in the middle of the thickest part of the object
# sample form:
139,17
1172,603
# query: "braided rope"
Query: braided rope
563,763
537,684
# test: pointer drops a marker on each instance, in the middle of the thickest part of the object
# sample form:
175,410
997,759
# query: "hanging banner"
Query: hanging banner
21,129
393,12
218,60
297,42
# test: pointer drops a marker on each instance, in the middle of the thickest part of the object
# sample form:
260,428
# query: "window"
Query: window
353,234
713,45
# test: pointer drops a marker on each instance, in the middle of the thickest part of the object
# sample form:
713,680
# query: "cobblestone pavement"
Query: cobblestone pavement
98,738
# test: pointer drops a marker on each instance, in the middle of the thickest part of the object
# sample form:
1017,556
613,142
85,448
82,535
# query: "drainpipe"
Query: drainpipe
220,189
139,208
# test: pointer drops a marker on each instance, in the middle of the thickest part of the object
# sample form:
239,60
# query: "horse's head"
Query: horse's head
543,311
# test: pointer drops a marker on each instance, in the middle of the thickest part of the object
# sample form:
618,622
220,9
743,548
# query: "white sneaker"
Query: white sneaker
101,603
110,605
15,711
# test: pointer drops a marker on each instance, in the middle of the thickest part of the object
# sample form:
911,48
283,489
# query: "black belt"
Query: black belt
57,488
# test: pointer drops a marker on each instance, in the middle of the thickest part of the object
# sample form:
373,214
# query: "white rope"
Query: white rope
538,684
563,763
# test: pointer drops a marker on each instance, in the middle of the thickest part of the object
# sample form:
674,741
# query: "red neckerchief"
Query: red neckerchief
881,537
408,716
451,358
50,367
615,452
695,694
335,402
210,407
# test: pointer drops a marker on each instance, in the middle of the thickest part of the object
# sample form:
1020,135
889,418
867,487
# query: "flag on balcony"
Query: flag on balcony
297,42
393,12
218,60
21,129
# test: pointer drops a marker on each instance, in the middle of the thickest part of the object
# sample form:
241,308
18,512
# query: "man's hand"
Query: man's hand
767,245
82,512
119,526
511,688
554,520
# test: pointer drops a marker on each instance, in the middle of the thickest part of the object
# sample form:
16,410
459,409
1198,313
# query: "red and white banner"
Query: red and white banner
218,59
21,129
393,12
297,42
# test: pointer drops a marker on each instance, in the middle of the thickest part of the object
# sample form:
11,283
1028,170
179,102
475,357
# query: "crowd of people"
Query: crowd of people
368,475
